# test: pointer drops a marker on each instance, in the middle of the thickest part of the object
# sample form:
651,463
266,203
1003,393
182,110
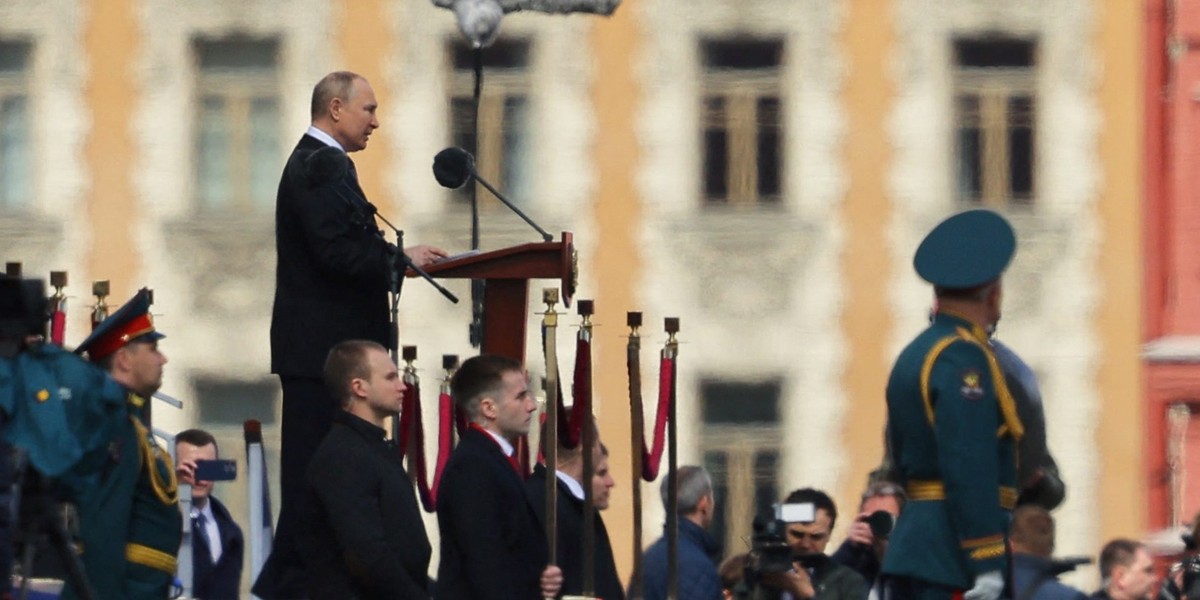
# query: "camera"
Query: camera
769,548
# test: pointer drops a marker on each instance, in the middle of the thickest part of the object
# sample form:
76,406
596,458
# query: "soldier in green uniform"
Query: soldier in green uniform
129,523
952,424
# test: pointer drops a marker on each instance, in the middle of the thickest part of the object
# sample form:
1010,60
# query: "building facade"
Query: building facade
762,169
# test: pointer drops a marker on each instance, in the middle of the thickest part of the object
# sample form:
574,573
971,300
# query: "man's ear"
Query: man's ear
358,387
488,408
335,108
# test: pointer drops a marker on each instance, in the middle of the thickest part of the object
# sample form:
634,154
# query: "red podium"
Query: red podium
507,272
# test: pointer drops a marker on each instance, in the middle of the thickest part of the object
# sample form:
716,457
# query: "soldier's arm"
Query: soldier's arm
967,419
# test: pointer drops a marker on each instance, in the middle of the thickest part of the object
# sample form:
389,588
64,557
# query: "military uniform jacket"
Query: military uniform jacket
332,271
130,525
952,429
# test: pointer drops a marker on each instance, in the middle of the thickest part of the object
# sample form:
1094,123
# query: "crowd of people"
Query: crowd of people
960,507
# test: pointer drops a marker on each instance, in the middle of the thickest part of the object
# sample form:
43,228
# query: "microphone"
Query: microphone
331,165
453,166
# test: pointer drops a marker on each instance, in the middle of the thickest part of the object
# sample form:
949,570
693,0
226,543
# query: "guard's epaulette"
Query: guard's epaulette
1008,407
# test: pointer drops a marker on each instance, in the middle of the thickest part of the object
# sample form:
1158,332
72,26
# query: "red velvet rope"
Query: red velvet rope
58,327
411,427
651,460
581,392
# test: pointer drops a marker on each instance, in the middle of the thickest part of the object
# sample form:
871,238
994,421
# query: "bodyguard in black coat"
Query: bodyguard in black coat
492,545
569,531
363,536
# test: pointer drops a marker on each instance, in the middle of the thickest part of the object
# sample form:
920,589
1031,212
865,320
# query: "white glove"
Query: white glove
988,586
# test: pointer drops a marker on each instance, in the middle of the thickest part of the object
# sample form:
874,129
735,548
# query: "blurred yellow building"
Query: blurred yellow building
762,169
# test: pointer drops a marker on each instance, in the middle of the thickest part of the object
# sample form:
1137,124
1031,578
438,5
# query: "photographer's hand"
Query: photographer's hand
795,582
860,531
185,471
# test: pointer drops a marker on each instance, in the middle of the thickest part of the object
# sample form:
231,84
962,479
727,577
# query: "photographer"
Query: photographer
866,541
1035,573
1183,580
816,575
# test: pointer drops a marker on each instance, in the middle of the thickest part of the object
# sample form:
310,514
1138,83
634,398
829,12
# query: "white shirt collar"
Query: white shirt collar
504,444
576,489
324,137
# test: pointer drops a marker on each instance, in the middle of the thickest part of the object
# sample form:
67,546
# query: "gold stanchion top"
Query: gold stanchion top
58,279
550,296
408,353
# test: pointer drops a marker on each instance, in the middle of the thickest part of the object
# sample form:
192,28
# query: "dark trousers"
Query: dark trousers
308,412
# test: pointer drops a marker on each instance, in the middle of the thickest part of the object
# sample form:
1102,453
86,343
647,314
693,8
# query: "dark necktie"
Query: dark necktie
201,532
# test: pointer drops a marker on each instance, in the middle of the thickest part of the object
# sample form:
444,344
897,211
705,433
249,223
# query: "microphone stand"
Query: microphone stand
396,278
546,237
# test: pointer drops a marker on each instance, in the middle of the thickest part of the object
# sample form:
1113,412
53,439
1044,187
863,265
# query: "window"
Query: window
237,135
741,443
994,111
16,151
741,121
503,146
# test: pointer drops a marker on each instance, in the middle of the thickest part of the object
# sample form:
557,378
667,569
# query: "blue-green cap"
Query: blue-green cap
967,250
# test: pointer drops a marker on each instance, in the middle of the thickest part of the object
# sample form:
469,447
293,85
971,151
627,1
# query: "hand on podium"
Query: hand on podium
425,255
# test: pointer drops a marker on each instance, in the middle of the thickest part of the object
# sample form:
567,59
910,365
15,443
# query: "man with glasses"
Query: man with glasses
817,575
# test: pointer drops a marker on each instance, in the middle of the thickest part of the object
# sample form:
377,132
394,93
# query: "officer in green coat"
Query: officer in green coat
129,523
952,423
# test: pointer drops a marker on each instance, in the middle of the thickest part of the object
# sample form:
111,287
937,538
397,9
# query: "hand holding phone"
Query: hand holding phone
215,470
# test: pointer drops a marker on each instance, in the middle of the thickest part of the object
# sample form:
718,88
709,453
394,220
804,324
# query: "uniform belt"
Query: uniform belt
932,489
150,557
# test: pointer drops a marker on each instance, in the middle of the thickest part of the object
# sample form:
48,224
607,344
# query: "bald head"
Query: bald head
338,84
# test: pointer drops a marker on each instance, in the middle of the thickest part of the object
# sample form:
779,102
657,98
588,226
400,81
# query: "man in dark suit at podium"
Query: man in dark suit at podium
332,279
217,543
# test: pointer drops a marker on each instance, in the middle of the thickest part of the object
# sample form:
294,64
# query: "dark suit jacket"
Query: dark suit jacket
364,537
493,546
332,269
569,531
222,581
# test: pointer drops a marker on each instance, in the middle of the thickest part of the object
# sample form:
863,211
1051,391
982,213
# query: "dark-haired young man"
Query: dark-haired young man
493,546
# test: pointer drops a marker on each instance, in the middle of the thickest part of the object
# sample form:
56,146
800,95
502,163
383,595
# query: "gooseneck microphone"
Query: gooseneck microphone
453,167
331,166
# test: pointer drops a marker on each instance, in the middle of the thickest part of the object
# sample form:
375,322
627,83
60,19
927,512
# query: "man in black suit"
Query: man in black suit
569,521
331,284
217,545
493,546
364,537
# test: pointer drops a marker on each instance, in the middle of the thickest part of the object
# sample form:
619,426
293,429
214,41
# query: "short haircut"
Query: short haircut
1033,530
346,362
880,489
338,84
479,377
694,485
198,438
1117,553
820,501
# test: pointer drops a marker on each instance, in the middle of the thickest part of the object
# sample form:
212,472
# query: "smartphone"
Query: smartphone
216,470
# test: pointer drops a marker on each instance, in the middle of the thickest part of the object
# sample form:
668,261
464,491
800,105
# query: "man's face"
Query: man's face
809,538
185,452
139,367
385,388
602,484
354,117
1137,580
512,411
